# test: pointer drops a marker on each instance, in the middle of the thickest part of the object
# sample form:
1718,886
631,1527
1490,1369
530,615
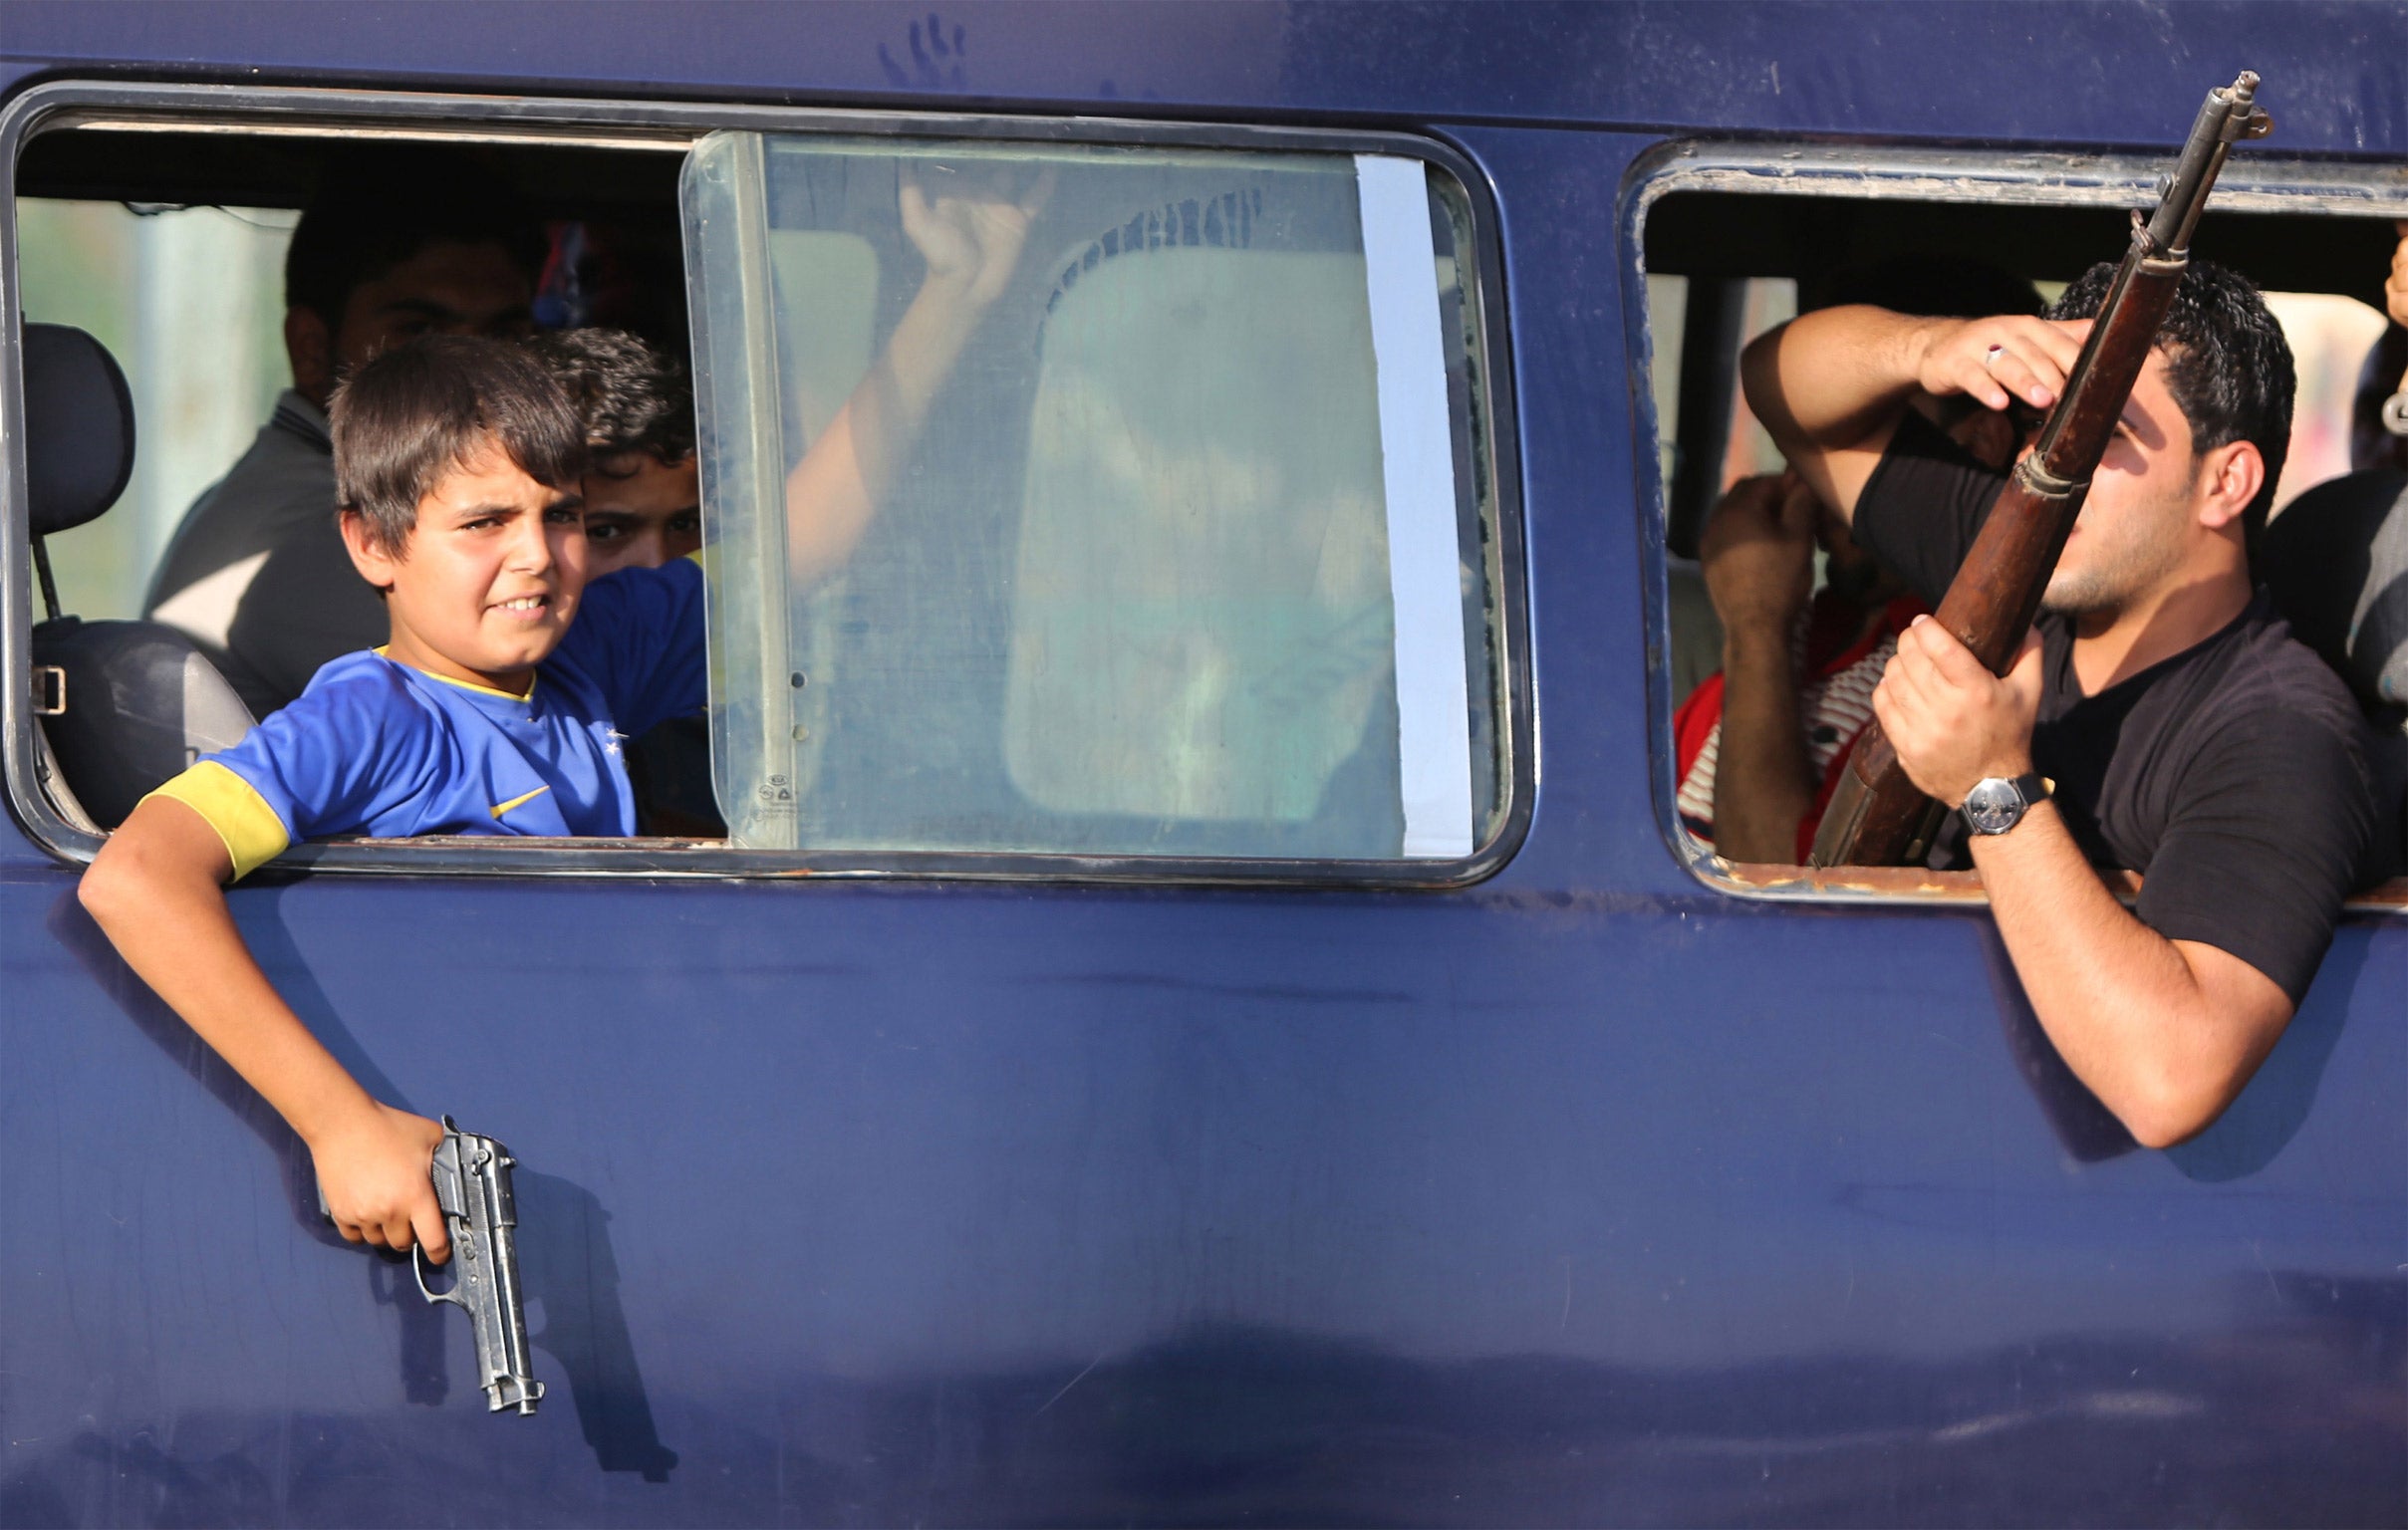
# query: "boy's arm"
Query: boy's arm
157,890
1829,385
971,246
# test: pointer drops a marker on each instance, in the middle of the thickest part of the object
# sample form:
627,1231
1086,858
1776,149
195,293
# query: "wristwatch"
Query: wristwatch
1997,804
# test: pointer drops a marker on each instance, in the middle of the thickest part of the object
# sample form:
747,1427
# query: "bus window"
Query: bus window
1189,553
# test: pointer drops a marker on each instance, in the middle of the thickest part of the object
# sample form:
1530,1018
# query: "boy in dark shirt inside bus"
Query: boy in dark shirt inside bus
2160,718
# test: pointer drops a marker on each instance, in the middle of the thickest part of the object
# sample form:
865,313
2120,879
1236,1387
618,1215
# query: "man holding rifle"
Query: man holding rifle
2160,717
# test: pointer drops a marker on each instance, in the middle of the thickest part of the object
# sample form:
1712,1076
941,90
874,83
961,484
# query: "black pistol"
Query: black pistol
473,1184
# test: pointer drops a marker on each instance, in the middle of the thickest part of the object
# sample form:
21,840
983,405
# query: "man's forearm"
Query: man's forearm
1763,780
1831,378
2126,1008
1830,386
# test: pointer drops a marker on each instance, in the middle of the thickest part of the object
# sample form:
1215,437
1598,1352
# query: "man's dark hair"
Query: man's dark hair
379,204
409,417
631,395
1929,287
2227,365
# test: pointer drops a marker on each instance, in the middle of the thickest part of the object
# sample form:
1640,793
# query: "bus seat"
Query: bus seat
125,704
2336,561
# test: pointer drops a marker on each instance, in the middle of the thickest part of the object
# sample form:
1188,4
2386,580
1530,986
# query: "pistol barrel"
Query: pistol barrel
472,1182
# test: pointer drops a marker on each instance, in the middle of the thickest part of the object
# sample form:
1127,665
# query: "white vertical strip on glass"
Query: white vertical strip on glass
1434,729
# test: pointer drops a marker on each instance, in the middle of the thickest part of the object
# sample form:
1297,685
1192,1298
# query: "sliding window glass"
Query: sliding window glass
1111,500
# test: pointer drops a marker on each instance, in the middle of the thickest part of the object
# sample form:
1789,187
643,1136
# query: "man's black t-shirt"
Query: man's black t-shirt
2232,776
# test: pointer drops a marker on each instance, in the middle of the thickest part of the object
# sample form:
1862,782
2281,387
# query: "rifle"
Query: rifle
1876,816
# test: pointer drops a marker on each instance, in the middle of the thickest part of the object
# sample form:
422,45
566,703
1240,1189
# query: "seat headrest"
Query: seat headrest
79,427
2336,561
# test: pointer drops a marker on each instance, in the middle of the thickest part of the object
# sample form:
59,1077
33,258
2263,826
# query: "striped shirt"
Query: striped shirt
1836,702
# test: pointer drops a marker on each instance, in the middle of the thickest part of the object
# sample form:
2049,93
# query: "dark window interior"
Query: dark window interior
633,193
1720,240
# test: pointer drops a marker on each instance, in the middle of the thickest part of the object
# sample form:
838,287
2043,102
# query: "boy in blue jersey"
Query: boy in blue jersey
498,707
504,699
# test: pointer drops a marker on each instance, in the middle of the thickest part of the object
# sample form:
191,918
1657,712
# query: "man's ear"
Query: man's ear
368,555
309,345
2230,476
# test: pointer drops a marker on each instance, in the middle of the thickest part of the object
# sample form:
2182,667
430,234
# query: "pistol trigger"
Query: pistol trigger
417,1269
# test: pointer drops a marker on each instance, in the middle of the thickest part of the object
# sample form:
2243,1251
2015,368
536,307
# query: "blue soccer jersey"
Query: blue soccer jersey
379,748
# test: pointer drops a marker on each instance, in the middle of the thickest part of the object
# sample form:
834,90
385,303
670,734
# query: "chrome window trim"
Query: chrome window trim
60,105
2251,182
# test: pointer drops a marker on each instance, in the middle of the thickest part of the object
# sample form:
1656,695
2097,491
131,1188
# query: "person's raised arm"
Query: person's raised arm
971,245
1829,385
157,890
1757,554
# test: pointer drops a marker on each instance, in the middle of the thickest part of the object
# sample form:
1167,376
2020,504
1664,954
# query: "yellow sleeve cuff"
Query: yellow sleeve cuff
252,832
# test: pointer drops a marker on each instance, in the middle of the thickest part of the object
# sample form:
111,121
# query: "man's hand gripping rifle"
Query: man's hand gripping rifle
1877,817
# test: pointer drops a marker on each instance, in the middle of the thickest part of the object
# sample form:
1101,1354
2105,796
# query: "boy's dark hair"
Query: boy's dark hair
631,395
379,204
2227,365
409,417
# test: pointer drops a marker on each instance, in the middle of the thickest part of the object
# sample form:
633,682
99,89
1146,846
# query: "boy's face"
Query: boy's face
490,577
641,512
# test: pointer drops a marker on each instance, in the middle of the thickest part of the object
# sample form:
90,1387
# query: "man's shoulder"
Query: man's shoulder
2268,706
276,485
2271,675
283,484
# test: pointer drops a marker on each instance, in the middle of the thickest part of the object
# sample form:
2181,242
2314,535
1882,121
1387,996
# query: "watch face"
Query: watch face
1994,806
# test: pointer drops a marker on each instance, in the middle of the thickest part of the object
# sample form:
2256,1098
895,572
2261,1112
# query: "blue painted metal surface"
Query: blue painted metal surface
1585,1195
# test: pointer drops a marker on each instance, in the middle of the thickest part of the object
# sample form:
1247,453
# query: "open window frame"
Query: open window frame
673,128
2251,182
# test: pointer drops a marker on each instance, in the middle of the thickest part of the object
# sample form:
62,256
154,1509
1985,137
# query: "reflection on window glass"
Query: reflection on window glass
1101,501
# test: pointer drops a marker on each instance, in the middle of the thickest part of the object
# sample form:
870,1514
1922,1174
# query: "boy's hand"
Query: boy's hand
375,1174
970,241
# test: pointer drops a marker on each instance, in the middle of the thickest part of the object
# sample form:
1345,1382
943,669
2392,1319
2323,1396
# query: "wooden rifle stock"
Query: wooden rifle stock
1876,816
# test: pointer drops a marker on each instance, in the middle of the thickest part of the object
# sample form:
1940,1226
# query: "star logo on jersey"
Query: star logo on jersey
616,739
